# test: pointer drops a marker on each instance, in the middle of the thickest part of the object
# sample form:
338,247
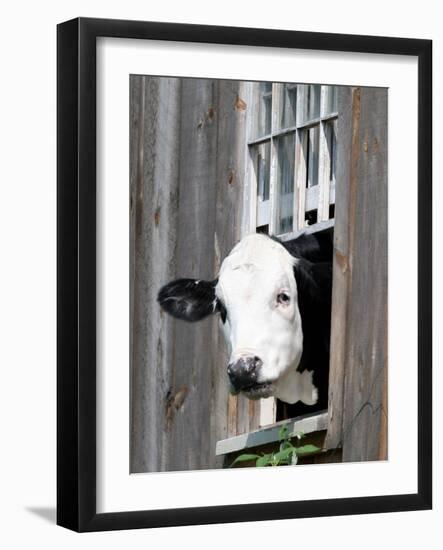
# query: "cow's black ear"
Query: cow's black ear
188,299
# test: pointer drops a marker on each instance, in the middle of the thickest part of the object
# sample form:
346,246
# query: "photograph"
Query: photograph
258,273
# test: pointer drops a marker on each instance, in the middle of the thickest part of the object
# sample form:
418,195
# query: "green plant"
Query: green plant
287,453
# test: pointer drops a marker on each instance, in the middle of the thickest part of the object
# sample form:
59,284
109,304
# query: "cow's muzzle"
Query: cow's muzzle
243,373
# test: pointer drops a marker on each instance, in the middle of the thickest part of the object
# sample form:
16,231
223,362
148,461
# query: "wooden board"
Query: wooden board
358,377
306,424
154,179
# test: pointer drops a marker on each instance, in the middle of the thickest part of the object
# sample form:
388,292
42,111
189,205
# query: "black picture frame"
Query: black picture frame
76,279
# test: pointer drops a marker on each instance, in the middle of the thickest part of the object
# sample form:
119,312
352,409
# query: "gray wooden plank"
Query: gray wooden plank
365,382
188,432
229,168
348,105
154,187
136,109
358,391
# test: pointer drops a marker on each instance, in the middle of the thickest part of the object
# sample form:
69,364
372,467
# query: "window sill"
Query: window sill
270,434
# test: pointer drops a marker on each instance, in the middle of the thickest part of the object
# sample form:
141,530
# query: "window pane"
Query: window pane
288,105
262,170
331,104
310,108
314,101
264,109
313,146
331,140
262,167
285,183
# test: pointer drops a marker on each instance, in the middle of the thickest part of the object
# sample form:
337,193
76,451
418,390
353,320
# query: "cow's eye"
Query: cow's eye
283,298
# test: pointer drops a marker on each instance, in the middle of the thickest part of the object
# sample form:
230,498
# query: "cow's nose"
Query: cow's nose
243,372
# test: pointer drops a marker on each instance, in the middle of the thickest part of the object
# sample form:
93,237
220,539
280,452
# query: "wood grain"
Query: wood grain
358,376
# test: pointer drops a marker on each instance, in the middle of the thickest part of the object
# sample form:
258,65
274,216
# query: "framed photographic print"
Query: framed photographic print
244,274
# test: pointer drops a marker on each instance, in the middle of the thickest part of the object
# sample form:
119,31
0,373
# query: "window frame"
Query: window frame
320,196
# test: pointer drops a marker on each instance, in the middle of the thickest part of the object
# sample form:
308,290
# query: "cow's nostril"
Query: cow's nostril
257,362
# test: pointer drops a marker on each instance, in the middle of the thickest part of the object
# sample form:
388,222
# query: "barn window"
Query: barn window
292,140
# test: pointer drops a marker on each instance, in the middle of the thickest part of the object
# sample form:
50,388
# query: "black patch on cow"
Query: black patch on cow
316,247
188,299
314,284
313,274
191,299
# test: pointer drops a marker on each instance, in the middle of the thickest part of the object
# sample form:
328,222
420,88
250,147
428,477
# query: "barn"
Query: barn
213,161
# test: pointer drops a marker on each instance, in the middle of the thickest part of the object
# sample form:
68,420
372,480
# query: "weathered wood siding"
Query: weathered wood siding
358,376
187,157
186,190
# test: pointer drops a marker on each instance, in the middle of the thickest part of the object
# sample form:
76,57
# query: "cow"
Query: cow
273,299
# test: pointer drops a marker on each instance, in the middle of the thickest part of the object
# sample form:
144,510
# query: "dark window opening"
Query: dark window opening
263,229
312,156
263,170
311,217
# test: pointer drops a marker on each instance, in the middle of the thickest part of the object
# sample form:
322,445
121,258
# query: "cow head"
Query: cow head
256,296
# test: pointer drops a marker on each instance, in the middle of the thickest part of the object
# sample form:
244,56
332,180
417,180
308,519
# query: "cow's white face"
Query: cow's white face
256,286
256,296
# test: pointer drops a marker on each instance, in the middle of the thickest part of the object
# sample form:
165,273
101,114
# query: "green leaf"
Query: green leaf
264,460
245,458
298,435
307,450
285,454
